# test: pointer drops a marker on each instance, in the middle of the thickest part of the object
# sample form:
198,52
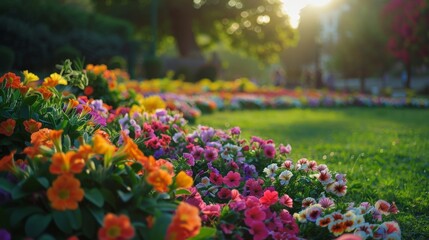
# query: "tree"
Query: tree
360,51
259,27
408,23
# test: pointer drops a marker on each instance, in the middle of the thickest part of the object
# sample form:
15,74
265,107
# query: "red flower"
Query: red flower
269,198
116,228
12,81
254,214
7,127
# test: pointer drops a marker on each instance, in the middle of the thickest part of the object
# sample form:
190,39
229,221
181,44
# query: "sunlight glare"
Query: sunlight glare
293,7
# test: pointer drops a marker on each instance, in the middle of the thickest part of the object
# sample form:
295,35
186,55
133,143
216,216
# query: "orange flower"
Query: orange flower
116,228
130,148
149,163
6,163
65,193
186,223
69,162
7,127
32,125
55,136
160,180
42,137
101,145
84,151
46,93
166,165
12,80
53,80
184,180
23,89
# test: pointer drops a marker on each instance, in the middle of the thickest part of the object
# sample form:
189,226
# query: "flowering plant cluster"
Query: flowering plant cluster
139,171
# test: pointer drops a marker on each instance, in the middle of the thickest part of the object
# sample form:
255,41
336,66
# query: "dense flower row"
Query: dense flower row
74,167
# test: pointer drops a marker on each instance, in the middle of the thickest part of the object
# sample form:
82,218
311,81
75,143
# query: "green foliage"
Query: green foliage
152,67
382,151
207,71
38,30
117,62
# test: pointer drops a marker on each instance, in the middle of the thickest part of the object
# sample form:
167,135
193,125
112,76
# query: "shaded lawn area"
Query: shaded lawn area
383,151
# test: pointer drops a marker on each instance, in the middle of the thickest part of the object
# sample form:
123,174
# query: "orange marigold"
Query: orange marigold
12,80
7,127
46,93
32,125
65,193
116,228
6,162
183,180
101,145
186,223
69,162
160,180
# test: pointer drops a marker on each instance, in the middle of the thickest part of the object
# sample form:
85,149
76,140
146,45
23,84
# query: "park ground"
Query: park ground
383,151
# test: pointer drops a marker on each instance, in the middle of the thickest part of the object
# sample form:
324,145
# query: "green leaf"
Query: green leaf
6,185
20,213
37,224
75,218
136,167
108,197
43,181
160,227
183,191
18,193
97,213
125,197
62,222
90,226
205,232
30,100
94,196
66,141
46,237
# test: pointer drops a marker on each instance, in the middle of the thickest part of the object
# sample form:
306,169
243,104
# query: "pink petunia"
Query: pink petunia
259,231
232,179
210,154
285,149
269,198
224,193
286,201
254,214
216,178
269,150
212,210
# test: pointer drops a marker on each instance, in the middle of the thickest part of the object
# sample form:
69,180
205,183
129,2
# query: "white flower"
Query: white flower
285,176
270,170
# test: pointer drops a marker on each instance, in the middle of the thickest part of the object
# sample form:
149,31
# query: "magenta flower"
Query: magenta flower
189,159
285,149
383,207
235,131
269,150
259,231
252,201
254,214
210,154
232,179
224,193
212,210
288,164
313,212
326,202
227,228
216,178
269,198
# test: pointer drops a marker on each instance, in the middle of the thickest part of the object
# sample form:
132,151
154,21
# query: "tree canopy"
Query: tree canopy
258,27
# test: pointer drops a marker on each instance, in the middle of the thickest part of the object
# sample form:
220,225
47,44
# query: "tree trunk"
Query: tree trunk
181,24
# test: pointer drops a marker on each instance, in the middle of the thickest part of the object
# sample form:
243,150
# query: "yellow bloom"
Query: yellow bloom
184,180
153,103
30,77
135,109
58,77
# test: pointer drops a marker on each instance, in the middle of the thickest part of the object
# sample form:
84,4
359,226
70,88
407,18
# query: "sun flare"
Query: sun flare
293,7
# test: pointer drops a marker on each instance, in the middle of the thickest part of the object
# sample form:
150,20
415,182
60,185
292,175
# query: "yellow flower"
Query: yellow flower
183,180
54,79
153,103
29,77
135,109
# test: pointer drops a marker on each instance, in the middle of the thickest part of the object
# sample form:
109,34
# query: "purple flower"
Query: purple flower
197,152
235,131
4,234
189,159
249,171
158,153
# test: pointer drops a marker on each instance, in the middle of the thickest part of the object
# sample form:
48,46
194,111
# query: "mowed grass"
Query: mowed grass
383,151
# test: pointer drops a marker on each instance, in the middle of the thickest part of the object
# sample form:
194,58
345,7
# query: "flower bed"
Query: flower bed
72,167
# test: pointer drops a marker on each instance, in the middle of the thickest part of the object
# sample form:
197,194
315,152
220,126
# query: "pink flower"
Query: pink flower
252,201
235,195
308,202
269,198
232,179
212,210
313,212
235,131
325,177
338,188
210,154
254,214
326,202
224,193
286,200
312,165
349,237
269,150
216,178
383,207
288,164
259,231
227,228
285,149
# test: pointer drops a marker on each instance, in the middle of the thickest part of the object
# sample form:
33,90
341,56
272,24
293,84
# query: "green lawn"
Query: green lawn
383,151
